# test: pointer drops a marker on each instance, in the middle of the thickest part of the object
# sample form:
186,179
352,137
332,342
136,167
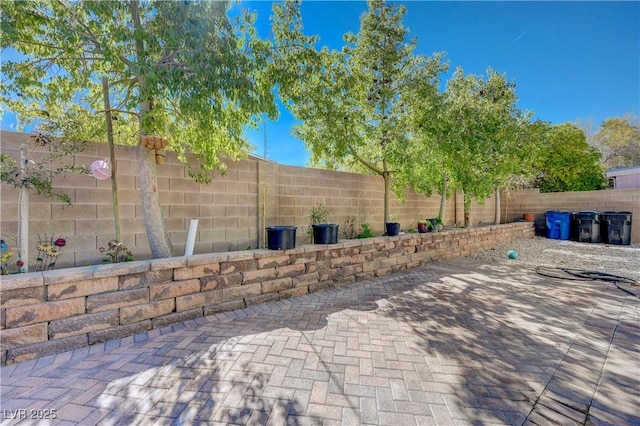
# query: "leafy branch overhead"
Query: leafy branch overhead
187,71
201,70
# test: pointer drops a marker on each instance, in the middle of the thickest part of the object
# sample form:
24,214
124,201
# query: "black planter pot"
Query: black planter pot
325,233
281,237
393,228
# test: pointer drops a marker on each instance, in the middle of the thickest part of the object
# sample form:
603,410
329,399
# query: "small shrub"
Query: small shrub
116,252
349,228
318,214
366,231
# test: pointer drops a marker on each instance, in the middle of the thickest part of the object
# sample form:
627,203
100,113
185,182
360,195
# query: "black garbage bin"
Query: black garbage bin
585,227
616,228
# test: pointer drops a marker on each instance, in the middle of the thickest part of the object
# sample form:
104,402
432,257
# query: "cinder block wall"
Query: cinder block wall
232,210
226,208
532,201
43,313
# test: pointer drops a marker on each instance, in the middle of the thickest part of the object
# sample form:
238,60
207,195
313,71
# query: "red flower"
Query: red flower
60,242
20,263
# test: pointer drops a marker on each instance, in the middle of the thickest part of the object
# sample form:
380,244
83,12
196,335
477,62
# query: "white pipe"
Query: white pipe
191,237
23,197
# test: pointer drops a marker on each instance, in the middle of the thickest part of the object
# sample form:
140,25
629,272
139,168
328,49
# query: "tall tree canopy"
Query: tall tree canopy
475,135
353,104
568,163
182,70
618,141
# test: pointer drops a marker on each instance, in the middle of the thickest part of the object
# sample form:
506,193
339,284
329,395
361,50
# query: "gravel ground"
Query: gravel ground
539,251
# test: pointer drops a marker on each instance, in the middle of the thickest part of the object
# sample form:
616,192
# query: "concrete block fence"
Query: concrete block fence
44,313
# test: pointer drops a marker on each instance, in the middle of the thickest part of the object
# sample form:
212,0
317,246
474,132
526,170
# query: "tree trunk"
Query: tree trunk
443,197
467,210
157,234
112,158
387,188
497,206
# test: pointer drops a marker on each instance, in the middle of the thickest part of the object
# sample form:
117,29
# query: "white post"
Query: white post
191,237
23,199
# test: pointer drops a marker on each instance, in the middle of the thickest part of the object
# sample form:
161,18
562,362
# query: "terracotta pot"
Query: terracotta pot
529,217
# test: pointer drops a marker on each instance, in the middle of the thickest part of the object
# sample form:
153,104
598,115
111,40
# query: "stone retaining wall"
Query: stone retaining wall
44,313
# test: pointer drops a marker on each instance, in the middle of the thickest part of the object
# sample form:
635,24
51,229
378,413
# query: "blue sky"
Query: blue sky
571,60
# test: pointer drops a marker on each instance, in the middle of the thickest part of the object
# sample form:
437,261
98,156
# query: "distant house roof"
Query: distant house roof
623,171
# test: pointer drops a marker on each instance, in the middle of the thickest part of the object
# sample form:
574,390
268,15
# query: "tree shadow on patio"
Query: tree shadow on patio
495,337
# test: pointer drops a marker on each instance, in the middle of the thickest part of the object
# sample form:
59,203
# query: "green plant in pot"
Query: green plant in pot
436,224
393,227
424,226
320,231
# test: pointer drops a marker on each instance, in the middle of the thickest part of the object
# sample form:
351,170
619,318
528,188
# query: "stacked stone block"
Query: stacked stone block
53,311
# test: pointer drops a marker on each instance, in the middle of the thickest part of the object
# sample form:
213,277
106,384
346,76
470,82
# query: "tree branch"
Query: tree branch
366,163
122,111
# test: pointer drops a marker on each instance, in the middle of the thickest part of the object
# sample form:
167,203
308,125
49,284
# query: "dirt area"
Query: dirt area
543,252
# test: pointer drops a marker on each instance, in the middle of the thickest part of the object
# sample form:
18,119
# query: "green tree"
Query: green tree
568,163
618,141
353,104
477,136
182,70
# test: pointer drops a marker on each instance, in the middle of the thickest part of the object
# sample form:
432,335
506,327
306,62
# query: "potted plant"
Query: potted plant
393,227
423,226
436,224
319,230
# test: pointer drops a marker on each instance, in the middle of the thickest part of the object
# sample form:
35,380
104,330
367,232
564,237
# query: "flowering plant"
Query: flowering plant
48,252
7,266
116,252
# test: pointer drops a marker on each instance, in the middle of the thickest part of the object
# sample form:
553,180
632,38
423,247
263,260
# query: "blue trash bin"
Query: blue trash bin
558,225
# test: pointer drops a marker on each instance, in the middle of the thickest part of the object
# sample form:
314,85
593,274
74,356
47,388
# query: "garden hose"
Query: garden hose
579,274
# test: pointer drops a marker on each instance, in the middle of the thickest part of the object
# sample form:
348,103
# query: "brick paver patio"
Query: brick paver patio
454,343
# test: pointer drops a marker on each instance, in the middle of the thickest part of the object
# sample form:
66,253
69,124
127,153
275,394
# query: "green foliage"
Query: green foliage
366,231
618,141
184,70
569,163
353,104
473,135
318,214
